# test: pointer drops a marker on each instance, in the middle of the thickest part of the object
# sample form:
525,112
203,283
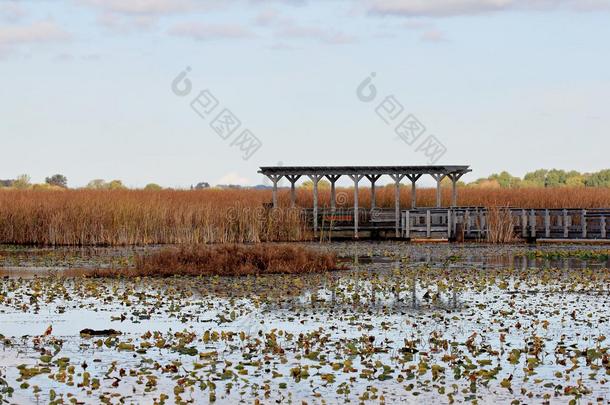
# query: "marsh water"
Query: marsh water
434,323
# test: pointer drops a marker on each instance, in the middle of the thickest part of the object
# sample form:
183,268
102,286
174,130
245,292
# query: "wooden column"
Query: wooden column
583,223
602,225
293,178
315,178
373,179
413,178
332,178
439,178
397,178
566,225
455,177
275,178
547,224
356,178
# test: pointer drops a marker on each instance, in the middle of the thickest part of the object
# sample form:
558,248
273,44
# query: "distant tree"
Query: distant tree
115,185
153,186
6,183
202,185
57,180
537,178
506,180
599,179
22,182
555,178
322,184
97,184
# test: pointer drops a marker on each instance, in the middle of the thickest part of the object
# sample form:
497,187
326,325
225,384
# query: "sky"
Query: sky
177,92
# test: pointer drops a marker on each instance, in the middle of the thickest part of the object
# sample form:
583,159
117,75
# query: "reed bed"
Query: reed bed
126,217
140,217
227,260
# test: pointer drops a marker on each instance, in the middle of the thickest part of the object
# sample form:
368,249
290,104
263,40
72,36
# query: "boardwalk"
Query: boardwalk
453,223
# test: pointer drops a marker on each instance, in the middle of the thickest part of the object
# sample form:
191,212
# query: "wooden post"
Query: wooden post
524,223
602,226
455,177
428,224
356,178
315,178
547,224
439,178
467,222
566,225
407,227
292,178
397,178
275,178
449,227
533,223
583,223
373,179
332,178
413,178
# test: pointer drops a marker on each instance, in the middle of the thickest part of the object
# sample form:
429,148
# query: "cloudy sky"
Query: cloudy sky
182,91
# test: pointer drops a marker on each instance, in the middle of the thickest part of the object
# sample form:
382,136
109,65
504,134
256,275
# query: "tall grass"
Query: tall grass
138,217
125,217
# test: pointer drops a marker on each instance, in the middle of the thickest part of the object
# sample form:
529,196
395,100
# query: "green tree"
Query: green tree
57,180
153,186
599,179
116,185
555,178
536,178
506,180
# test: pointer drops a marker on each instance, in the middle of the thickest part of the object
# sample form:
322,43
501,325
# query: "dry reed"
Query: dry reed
137,217
500,226
227,260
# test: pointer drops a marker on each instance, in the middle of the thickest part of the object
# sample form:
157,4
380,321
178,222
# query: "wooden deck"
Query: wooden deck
466,223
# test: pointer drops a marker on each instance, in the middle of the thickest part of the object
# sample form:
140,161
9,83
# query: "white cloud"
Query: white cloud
204,32
37,32
11,11
143,7
233,178
446,8
322,35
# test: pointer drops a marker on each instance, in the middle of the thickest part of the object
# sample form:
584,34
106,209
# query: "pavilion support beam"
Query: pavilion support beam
413,178
275,178
315,178
397,178
439,178
293,178
373,179
455,177
356,178
332,178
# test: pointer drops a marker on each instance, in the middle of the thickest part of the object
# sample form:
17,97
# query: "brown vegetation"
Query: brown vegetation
139,217
228,260
500,226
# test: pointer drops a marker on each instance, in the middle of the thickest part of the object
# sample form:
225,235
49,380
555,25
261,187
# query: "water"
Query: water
406,323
